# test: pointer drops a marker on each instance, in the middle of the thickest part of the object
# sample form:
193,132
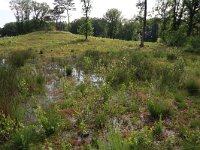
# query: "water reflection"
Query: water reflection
55,86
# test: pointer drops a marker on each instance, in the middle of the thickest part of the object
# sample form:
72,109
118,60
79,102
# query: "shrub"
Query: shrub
51,121
106,92
193,87
171,75
9,29
100,119
174,38
25,137
30,82
159,108
93,54
171,57
193,44
7,127
40,80
158,129
179,98
159,54
49,27
141,140
68,70
118,77
90,59
0,32
195,124
81,87
192,139
145,71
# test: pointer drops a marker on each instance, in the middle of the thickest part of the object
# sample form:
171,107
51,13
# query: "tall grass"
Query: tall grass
193,87
18,58
8,88
159,109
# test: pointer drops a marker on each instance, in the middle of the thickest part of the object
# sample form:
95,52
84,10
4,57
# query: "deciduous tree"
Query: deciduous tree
66,5
40,10
113,18
162,9
142,5
192,8
86,27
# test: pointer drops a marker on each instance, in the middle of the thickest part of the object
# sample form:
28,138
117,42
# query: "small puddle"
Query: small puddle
78,76
3,61
58,76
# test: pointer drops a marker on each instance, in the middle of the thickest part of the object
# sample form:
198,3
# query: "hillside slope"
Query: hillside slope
62,43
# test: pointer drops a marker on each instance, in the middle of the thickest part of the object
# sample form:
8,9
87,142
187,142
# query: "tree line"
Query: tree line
173,21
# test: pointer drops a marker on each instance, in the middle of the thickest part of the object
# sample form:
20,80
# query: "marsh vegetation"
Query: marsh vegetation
99,94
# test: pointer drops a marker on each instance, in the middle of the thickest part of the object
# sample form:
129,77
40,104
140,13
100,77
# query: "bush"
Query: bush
180,101
10,29
16,28
49,27
193,45
106,92
40,80
171,75
174,38
25,137
51,121
81,87
192,139
74,25
0,32
118,77
141,140
158,129
68,70
30,82
90,60
193,87
171,57
145,71
7,127
159,109
100,119
195,124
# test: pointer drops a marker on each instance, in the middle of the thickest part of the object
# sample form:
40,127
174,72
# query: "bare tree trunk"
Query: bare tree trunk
164,24
86,27
190,25
174,15
144,24
68,17
180,15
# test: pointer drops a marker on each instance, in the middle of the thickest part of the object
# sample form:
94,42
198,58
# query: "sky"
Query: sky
99,8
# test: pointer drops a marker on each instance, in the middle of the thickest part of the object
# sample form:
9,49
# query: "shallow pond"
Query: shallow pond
58,76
